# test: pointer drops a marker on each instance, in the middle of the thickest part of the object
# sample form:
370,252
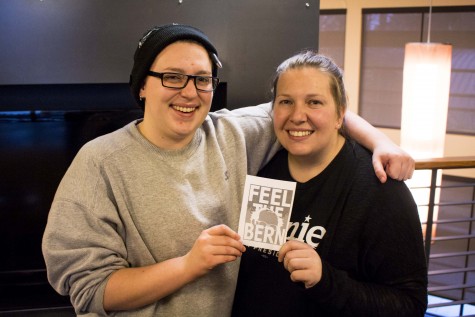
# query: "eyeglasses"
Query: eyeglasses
179,81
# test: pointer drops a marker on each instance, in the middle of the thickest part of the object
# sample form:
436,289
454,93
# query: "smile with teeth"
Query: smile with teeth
184,109
300,133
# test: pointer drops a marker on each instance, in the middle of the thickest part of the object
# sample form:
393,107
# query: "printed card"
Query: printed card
265,212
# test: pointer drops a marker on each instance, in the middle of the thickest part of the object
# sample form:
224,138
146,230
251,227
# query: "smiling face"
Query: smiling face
306,120
172,116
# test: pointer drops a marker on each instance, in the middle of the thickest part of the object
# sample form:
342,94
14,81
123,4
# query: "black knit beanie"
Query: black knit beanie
154,41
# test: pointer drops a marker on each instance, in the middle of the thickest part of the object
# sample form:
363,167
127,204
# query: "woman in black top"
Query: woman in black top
354,245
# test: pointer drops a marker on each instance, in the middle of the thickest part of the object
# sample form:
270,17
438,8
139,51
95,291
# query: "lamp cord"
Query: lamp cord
430,22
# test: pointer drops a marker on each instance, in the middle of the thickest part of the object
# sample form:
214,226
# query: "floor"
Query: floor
51,312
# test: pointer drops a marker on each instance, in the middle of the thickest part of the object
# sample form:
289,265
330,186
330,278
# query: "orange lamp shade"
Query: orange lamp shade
425,98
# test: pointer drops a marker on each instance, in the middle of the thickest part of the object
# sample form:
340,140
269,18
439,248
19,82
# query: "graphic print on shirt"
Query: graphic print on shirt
265,212
304,231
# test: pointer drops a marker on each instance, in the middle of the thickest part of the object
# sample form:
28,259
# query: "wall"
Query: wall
455,145
90,41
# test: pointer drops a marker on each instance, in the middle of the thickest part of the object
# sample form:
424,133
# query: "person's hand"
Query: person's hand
214,246
302,261
390,160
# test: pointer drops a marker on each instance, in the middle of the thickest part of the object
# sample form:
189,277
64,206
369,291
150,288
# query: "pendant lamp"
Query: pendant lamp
425,99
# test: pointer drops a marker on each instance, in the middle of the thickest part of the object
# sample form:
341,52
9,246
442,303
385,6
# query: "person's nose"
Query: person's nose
298,114
189,90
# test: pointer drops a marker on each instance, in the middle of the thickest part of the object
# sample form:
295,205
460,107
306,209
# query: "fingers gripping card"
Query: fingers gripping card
265,212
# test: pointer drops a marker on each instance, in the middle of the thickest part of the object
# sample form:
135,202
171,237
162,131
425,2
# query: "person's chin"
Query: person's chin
298,150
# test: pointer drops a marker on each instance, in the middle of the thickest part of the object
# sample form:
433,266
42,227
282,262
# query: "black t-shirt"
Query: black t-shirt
368,236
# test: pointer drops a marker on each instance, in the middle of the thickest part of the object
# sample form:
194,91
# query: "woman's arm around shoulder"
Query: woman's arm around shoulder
388,158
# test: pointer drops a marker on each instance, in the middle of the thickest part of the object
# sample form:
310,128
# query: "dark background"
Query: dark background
64,68
92,42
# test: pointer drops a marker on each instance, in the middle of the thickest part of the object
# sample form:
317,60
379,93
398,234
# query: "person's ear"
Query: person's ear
142,91
340,120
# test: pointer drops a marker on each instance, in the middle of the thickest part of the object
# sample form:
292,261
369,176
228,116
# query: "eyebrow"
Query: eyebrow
181,71
306,96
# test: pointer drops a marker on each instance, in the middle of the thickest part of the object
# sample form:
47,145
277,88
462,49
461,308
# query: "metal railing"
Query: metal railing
449,247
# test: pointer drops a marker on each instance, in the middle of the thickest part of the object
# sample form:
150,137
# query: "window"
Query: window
385,34
332,35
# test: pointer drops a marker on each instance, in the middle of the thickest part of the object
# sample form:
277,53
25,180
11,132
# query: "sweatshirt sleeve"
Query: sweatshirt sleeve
89,247
253,126
394,264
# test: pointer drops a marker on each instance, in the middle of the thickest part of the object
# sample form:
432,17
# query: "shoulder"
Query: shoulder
367,182
107,144
102,151
246,117
277,167
86,173
362,155
355,164
389,202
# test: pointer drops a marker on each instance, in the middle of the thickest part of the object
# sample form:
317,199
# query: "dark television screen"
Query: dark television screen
92,42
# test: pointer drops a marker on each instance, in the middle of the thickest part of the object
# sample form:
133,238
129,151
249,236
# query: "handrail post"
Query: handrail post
430,213
465,274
